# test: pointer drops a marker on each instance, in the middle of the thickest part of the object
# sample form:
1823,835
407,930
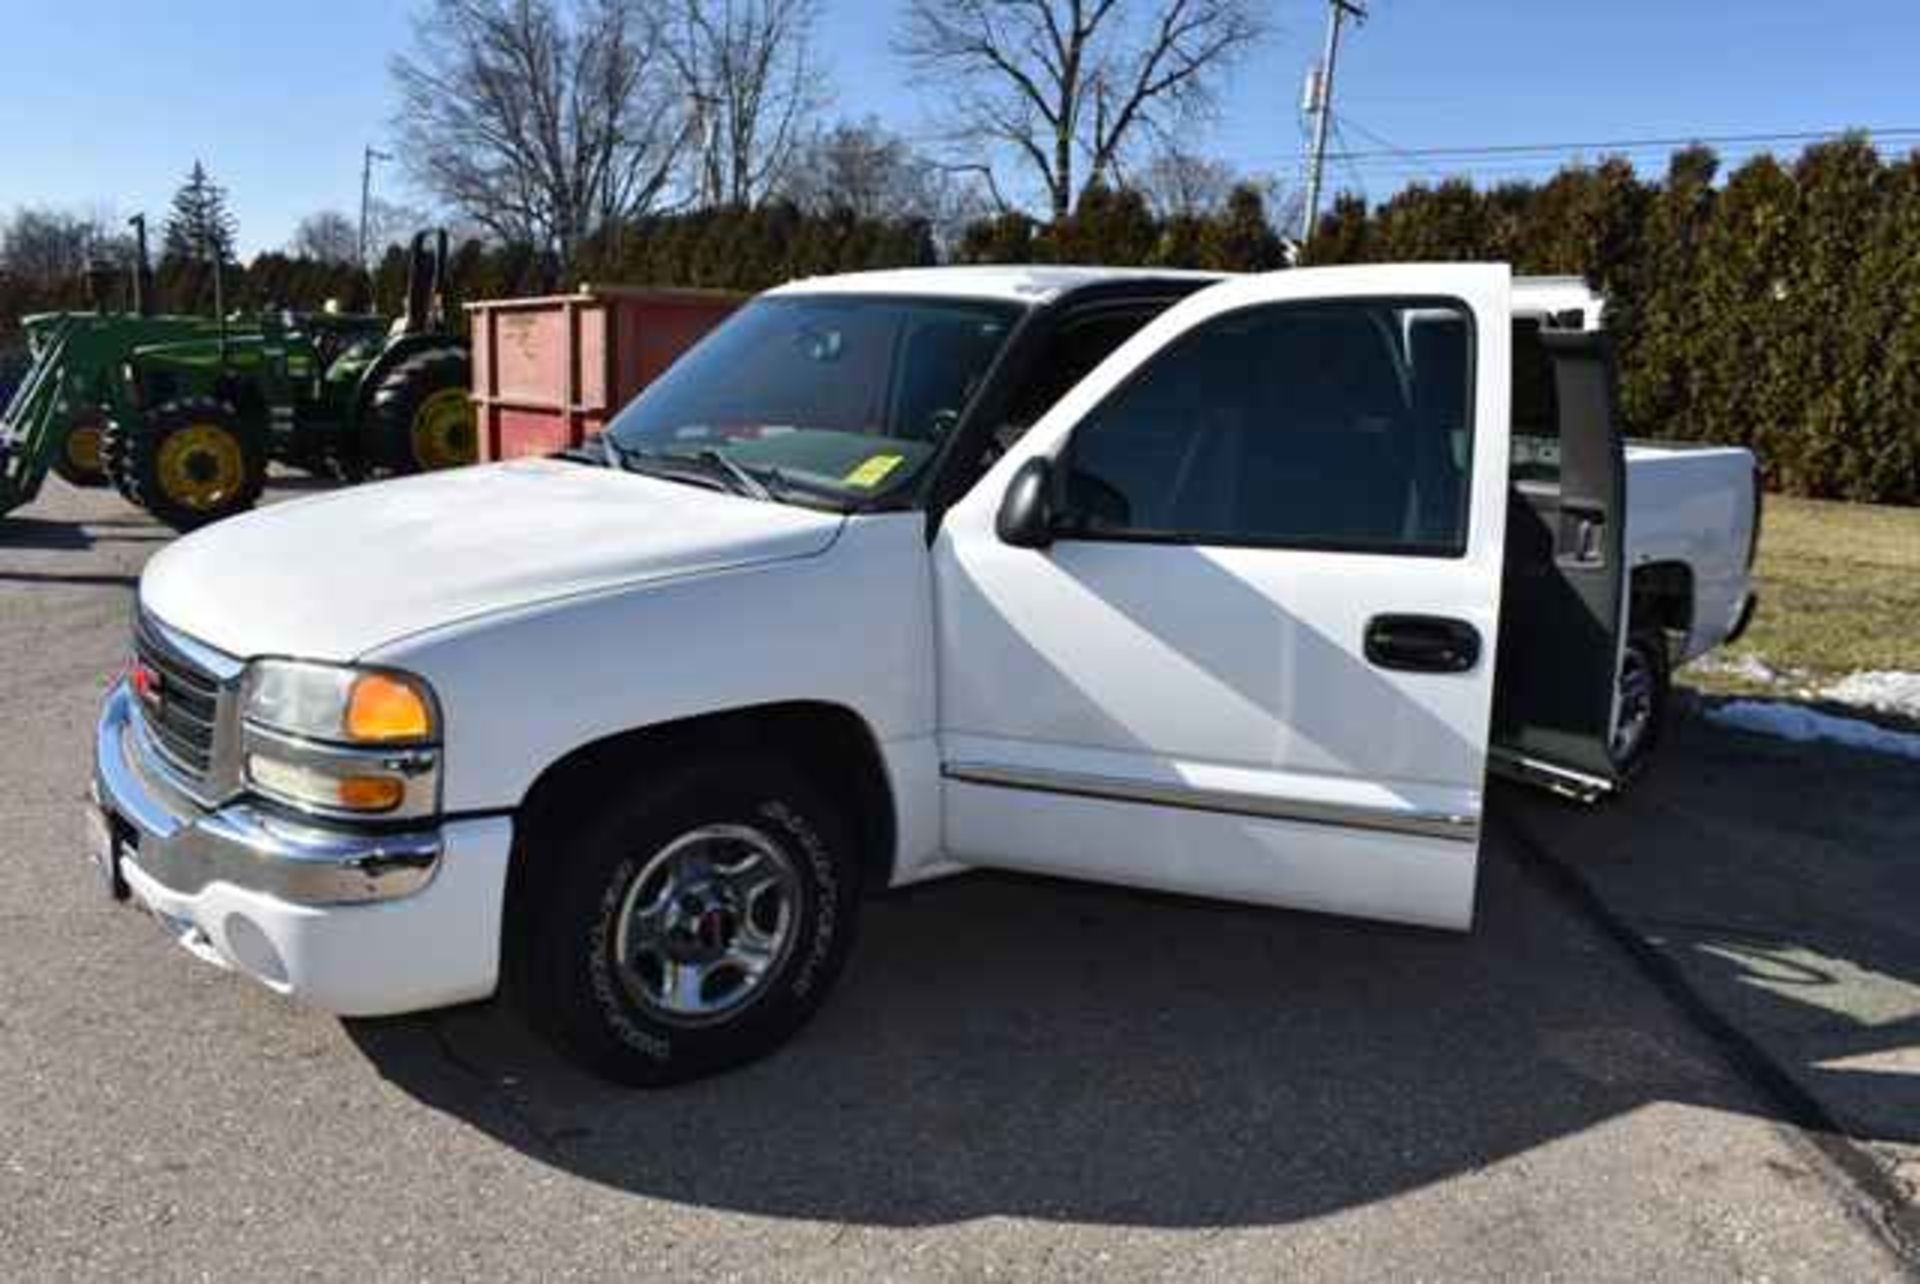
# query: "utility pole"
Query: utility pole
367,159
1320,103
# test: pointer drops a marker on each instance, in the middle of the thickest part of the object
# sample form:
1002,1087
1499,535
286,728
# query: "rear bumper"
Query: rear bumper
357,924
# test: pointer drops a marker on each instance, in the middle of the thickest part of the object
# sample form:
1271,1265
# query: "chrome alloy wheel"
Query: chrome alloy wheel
705,922
1636,704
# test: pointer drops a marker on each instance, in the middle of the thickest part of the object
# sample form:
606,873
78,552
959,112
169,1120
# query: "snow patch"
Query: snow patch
1797,723
1887,690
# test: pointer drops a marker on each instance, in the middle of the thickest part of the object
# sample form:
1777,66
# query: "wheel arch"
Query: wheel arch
1661,595
829,743
246,399
393,355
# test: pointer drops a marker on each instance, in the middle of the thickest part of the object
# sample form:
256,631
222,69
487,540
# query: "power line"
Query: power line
1624,144
1399,152
1416,167
1353,171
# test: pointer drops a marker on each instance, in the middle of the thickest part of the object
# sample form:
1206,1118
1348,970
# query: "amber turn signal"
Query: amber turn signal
382,709
370,793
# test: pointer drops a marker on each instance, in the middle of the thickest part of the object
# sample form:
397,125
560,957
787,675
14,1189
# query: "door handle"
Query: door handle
1422,643
1582,531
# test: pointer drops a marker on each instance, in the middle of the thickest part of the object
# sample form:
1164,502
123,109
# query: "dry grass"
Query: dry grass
1839,592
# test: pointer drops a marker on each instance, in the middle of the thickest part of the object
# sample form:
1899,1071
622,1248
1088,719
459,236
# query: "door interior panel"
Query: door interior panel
1562,582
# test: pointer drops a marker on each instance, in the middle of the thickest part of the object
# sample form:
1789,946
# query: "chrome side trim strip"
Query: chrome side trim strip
1453,826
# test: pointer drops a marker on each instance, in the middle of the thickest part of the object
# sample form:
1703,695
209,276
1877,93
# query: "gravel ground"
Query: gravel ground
1017,1078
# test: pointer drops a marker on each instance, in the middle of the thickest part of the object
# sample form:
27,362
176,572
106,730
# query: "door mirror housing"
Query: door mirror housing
1025,519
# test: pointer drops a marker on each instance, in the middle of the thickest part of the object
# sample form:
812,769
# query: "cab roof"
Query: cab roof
1024,285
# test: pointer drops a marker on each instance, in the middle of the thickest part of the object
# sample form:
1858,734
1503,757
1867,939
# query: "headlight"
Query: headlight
333,702
341,741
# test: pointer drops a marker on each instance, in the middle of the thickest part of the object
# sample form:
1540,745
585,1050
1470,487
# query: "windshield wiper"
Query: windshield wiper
697,470
744,482
711,465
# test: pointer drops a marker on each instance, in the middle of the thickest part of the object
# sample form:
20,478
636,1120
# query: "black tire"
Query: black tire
397,437
1645,688
114,456
203,486
79,460
598,1008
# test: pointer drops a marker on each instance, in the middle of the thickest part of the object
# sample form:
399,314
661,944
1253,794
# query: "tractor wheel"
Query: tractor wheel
191,462
420,417
113,457
78,461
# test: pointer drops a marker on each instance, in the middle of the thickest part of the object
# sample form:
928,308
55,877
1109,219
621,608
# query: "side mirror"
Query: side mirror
1025,519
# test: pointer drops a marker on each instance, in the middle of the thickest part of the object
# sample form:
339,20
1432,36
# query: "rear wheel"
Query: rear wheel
421,418
190,462
694,925
78,461
1641,703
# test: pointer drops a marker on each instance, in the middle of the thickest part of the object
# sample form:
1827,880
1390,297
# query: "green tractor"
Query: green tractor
183,413
195,422
56,414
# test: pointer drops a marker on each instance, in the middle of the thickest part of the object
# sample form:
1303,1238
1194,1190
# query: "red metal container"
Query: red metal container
549,371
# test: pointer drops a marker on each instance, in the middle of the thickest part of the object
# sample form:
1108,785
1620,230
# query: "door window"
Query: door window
1536,408
1328,425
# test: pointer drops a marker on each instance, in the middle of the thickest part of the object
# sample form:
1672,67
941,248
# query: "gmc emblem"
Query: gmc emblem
146,682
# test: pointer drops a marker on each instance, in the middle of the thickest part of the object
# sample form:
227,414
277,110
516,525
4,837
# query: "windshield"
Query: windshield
847,394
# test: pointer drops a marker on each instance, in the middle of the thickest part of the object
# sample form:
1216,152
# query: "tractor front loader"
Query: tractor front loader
55,419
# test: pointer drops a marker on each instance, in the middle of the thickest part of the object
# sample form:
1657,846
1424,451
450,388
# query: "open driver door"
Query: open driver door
1564,587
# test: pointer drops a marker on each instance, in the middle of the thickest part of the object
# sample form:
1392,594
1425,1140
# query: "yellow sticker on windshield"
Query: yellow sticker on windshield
873,471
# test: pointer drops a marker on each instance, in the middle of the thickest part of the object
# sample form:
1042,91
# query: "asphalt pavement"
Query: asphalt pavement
1017,1078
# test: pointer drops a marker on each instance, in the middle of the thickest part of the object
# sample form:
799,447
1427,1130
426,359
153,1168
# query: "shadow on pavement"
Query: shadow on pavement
1779,879
1069,1052
52,577
39,532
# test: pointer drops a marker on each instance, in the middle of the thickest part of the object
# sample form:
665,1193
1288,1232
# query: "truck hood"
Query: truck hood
334,576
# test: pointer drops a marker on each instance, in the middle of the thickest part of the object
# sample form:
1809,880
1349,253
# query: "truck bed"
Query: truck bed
1694,505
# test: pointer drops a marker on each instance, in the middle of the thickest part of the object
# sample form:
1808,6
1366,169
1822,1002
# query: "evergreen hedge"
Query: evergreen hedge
1776,306
1777,309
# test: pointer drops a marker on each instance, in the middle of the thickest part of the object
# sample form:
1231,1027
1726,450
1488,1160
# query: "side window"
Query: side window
1536,408
1081,343
1341,425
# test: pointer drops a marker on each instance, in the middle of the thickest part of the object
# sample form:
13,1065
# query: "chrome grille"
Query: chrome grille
181,713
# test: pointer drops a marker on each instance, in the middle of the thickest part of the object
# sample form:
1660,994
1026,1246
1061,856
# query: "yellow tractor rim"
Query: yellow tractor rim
83,449
442,432
201,466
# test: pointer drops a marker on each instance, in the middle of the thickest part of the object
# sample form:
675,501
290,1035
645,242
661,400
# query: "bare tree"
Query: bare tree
864,168
538,119
327,235
1177,183
394,223
1061,82
746,68
48,246
867,170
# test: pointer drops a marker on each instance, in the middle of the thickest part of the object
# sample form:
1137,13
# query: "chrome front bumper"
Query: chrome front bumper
186,847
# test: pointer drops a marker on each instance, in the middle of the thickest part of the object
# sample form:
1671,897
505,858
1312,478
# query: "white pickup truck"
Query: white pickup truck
1227,586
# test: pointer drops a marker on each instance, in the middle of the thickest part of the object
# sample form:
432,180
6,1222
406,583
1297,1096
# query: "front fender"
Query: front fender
521,689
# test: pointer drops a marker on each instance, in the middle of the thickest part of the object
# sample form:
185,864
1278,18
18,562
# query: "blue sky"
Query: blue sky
108,102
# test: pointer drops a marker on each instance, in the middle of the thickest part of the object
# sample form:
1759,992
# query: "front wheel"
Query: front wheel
692,926
190,462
